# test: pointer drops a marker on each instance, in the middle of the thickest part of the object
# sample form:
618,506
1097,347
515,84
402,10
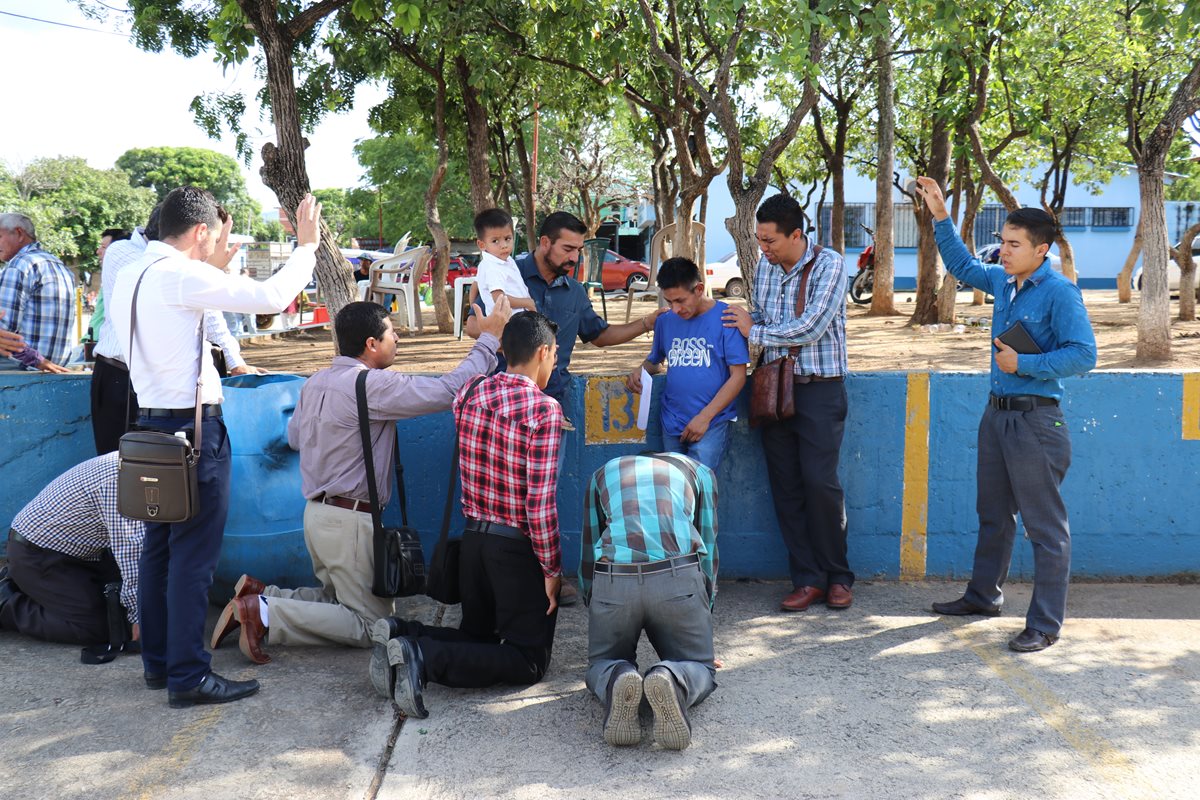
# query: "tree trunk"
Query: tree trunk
1187,274
284,171
433,218
1125,276
478,164
1067,253
926,310
883,302
837,222
1154,310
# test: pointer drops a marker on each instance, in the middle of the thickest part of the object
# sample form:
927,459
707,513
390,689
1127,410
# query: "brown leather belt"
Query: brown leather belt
346,503
650,568
819,378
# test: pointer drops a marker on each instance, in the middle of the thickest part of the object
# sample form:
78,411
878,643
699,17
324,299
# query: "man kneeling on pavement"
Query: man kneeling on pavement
509,433
338,528
649,562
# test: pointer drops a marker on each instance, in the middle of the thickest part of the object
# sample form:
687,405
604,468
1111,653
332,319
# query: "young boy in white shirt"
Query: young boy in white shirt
498,273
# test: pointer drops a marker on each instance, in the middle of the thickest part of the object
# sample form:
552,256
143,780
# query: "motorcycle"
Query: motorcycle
863,283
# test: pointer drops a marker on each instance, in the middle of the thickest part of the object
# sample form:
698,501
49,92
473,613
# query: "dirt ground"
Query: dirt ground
874,344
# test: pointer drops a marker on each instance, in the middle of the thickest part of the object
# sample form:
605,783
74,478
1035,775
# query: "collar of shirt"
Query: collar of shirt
529,271
810,253
1040,274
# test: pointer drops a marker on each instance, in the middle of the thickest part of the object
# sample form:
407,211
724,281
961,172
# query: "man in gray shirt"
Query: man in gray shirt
338,529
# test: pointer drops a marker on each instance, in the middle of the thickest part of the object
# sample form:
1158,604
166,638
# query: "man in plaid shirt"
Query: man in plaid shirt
37,293
509,434
802,452
63,547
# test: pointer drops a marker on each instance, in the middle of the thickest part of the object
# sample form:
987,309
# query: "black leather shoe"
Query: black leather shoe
963,607
212,689
1030,641
409,676
154,680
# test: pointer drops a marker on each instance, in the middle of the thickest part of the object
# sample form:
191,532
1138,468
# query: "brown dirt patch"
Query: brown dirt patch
875,344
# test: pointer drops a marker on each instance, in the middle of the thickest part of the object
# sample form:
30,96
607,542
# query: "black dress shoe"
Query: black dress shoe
963,607
1030,641
154,680
212,689
404,656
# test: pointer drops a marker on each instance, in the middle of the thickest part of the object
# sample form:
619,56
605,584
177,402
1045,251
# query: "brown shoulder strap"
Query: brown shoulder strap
802,293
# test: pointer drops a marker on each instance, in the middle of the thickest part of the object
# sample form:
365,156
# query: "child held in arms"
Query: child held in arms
498,273
706,365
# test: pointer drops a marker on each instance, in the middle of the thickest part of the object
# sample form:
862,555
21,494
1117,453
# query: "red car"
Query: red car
623,273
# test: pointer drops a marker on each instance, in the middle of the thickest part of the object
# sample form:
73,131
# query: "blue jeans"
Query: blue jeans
708,451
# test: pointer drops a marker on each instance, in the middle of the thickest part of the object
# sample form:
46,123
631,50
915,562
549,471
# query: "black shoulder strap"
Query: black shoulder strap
364,429
445,533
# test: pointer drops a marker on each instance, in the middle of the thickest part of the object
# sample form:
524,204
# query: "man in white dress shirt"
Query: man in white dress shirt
178,559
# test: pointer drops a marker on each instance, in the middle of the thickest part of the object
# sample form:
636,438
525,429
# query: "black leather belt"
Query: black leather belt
15,536
1020,402
818,378
209,410
345,502
494,528
112,362
649,568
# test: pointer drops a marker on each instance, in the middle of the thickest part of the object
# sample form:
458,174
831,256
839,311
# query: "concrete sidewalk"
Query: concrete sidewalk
885,700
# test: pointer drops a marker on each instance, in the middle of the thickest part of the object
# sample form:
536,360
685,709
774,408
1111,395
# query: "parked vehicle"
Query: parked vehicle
862,285
1174,275
620,272
725,276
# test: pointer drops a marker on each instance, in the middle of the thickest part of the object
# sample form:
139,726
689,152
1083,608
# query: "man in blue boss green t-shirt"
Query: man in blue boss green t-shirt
706,366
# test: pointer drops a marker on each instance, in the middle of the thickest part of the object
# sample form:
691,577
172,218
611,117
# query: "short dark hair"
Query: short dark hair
678,272
184,208
356,323
1037,223
115,234
492,219
784,211
222,214
558,221
151,229
524,334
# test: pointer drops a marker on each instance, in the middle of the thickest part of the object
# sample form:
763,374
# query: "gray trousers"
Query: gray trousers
673,609
1023,458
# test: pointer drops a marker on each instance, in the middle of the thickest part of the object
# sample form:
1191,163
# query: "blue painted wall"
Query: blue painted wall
1133,489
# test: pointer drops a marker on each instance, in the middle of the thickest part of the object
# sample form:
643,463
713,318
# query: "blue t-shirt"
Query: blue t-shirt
698,353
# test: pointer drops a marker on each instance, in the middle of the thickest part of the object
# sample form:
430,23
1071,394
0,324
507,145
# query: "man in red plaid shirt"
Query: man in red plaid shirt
509,433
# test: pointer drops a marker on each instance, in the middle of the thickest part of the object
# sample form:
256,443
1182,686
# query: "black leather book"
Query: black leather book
1019,339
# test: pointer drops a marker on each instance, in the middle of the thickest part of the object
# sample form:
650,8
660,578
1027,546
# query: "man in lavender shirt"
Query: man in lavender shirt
338,529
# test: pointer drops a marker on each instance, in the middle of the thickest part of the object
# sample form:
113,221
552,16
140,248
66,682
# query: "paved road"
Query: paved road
882,701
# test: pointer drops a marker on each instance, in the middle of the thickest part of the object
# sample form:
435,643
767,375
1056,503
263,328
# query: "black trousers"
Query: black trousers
59,598
802,464
506,635
114,406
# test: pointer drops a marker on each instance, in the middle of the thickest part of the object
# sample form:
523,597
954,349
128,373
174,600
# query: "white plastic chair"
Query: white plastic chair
401,275
662,248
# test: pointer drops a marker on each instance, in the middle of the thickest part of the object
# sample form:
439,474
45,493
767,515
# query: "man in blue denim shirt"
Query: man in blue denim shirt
1024,445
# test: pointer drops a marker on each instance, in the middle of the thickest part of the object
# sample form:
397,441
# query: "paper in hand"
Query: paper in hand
643,418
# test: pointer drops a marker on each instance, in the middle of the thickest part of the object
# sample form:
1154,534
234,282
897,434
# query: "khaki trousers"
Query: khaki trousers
340,611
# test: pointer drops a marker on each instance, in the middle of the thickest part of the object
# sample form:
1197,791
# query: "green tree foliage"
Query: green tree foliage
165,168
71,203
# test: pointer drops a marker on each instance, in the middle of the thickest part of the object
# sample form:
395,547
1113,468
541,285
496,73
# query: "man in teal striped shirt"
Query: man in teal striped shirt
649,562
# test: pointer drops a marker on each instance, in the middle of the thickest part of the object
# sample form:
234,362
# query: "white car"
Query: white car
1173,274
724,276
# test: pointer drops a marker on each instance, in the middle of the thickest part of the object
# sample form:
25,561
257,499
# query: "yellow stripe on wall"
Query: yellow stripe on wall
915,517
1191,405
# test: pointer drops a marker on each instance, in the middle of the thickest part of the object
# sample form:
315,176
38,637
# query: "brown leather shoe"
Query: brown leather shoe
253,632
227,623
802,598
247,585
839,596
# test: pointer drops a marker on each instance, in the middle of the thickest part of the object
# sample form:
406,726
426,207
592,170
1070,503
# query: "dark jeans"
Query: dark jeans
802,465
59,598
505,636
1023,458
177,565
114,406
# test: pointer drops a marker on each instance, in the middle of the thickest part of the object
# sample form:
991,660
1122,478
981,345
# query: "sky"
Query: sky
95,95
